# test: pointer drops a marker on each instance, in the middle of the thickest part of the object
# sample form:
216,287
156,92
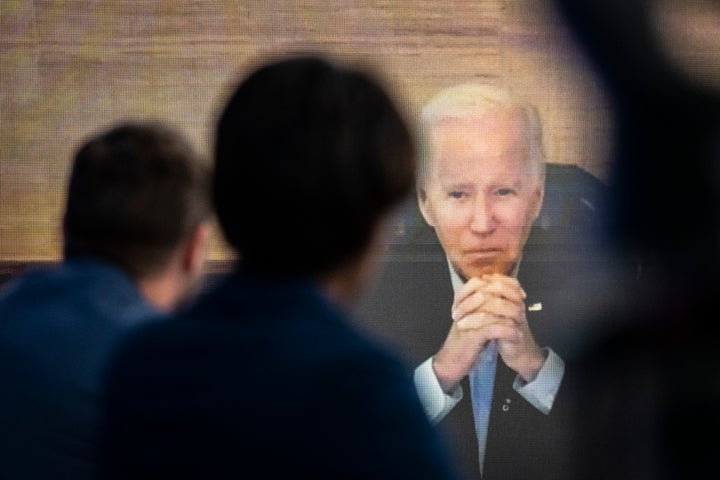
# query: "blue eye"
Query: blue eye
456,194
505,191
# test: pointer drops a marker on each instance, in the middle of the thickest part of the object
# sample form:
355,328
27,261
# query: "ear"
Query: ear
196,248
422,199
539,196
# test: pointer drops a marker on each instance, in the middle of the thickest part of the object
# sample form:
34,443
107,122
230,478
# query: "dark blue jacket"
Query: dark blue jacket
57,328
264,376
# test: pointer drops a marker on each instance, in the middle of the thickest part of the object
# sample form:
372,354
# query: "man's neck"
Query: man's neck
162,291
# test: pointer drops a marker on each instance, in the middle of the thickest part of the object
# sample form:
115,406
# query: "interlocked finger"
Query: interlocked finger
492,305
490,324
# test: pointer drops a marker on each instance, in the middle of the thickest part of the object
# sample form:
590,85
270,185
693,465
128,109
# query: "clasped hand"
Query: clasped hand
491,307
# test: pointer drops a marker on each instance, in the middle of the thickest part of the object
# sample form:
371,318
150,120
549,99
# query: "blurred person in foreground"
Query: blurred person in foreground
267,374
494,299
648,390
135,229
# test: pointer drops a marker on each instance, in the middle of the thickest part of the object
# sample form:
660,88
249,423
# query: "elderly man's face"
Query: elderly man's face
481,193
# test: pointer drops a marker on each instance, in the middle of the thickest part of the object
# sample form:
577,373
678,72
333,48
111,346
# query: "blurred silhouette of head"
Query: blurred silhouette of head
310,156
136,192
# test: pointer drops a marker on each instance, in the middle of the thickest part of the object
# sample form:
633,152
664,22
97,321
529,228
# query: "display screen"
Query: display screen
70,69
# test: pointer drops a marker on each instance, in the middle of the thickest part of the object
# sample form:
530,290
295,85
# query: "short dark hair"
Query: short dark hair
135,192
309,157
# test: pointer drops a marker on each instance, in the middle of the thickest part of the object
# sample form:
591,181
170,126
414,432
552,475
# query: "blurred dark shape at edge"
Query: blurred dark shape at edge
648,396
665,198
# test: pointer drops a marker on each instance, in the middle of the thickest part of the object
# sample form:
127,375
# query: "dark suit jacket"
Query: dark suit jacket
562,269
58,327
264,376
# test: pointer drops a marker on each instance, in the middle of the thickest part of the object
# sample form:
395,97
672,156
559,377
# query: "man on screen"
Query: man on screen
493,307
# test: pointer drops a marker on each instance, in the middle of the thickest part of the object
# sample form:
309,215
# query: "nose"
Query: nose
482,219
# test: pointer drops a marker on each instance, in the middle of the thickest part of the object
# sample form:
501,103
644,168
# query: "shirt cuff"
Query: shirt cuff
435,401
541,392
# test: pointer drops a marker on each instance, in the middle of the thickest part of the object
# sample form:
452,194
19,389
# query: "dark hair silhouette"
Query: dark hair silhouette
135,192
309,156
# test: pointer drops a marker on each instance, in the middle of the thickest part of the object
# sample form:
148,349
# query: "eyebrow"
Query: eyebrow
516,185
456,185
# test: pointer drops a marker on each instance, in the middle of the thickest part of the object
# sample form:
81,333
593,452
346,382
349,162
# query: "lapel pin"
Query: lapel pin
535,307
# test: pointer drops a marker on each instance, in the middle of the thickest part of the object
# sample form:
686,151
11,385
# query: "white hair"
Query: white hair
477,100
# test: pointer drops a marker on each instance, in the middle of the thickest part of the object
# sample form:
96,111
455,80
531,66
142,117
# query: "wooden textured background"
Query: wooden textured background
70,68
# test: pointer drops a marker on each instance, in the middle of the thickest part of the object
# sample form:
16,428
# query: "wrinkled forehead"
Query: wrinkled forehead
498,136
496,127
